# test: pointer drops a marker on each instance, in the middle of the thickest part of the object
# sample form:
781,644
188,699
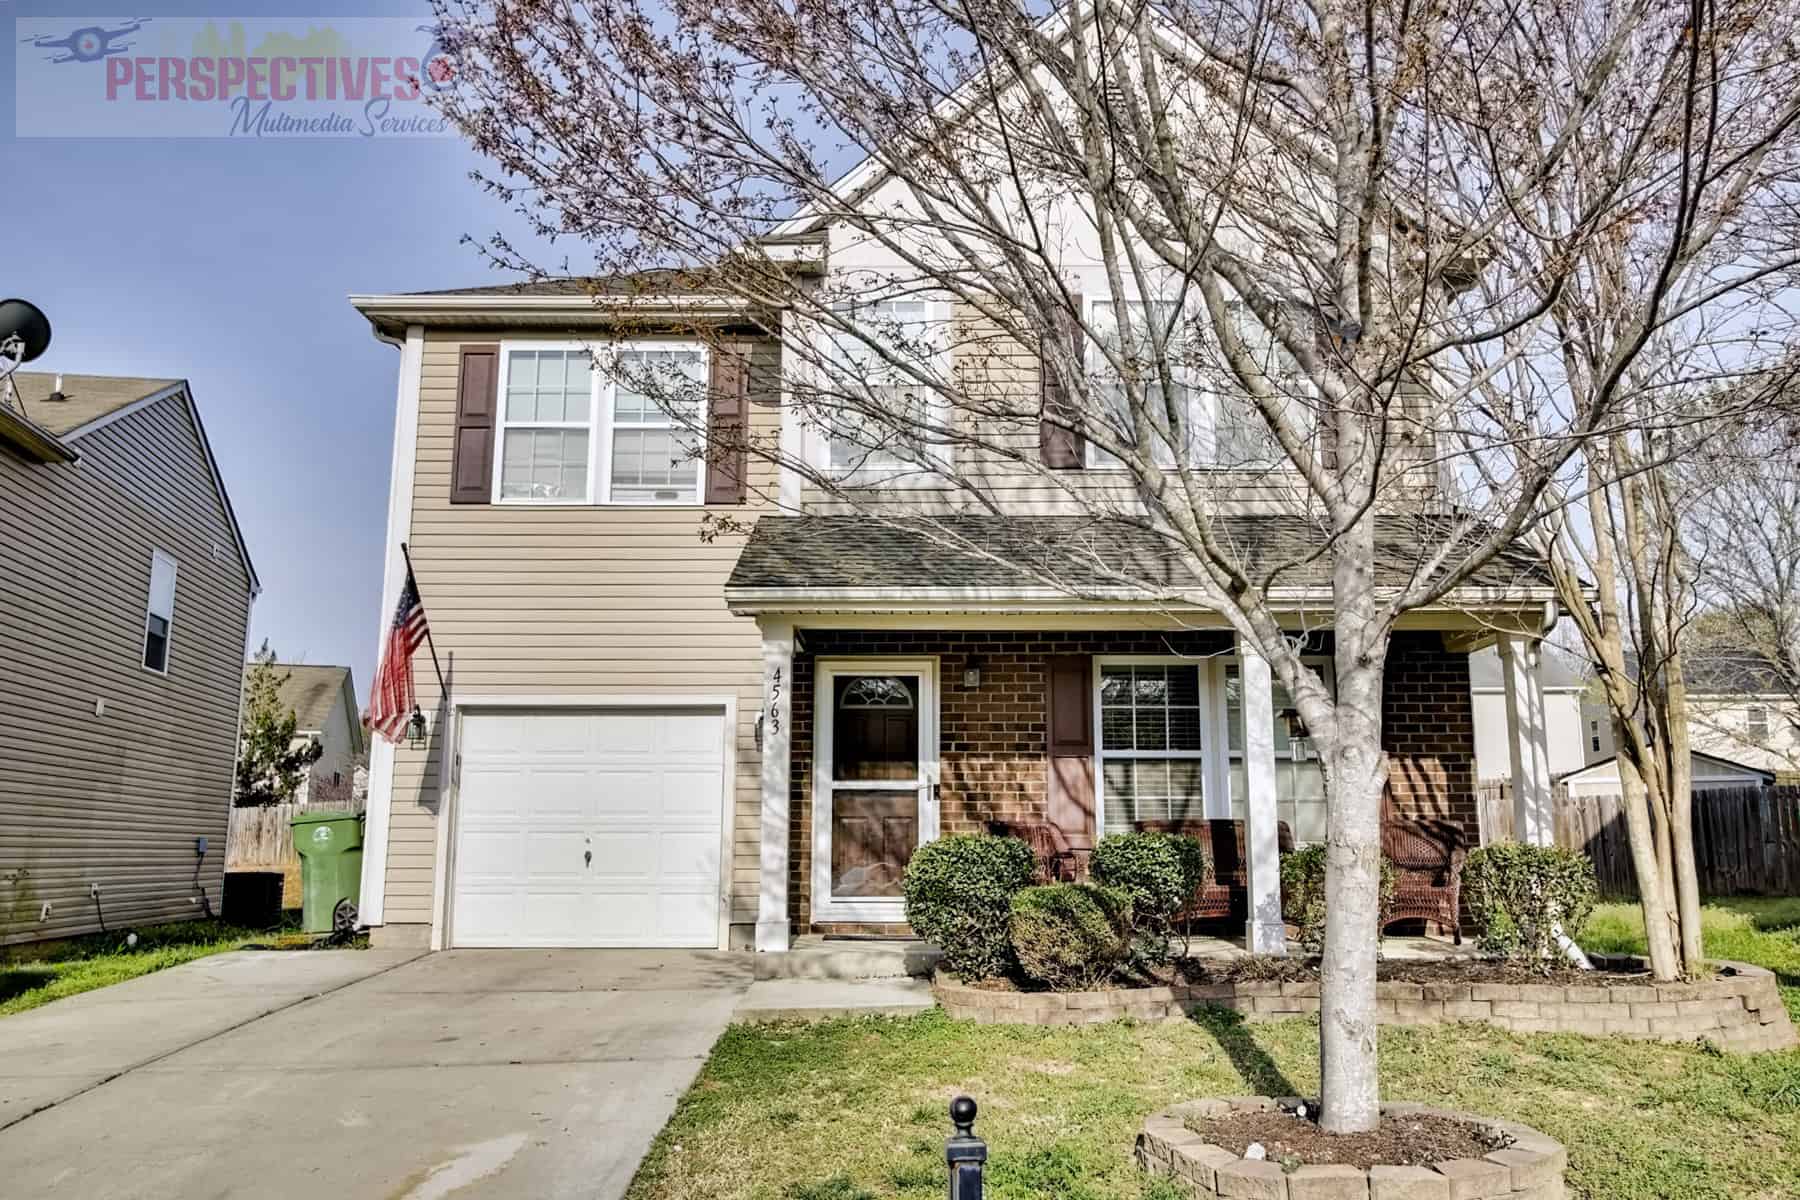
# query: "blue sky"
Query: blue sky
227,262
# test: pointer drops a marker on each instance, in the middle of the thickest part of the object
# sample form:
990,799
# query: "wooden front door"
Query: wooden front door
875,791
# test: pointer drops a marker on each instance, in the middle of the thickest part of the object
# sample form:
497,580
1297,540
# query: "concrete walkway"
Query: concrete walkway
361,1074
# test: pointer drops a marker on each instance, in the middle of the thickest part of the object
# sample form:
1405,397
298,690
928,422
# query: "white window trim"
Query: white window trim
869,910
157,555
1211,693
599,425
906,474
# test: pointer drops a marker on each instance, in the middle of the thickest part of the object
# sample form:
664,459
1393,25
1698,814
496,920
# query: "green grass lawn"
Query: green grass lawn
35,975
856,1109
1747,929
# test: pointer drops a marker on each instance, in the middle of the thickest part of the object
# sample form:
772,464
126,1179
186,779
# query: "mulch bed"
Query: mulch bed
1292,1140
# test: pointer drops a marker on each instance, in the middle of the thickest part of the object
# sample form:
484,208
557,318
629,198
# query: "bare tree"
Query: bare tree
1393,266
1744,529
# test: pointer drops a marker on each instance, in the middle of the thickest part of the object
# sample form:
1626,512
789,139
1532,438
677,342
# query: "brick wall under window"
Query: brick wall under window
992,739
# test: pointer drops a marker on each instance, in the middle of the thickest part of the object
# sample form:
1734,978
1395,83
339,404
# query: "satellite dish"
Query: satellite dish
24,333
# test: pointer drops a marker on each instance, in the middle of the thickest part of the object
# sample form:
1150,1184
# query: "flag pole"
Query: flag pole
443,688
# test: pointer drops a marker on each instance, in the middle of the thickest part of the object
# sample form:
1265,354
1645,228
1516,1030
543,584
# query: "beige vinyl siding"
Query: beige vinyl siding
1001,378
578,601
115,800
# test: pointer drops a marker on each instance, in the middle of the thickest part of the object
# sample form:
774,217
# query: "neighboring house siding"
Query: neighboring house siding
1721,725
583,601
1565,732
115,800
337,740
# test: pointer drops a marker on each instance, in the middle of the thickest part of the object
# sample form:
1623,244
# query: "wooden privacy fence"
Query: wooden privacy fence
1746,840
261,839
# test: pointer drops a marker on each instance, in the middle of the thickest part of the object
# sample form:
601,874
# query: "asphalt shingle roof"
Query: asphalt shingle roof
310,692
834,552
86,398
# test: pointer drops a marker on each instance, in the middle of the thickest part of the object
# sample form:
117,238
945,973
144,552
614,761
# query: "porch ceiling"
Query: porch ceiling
1070,564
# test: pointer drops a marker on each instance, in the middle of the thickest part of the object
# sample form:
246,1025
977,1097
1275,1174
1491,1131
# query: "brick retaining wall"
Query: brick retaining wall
1741,1011
1529,1168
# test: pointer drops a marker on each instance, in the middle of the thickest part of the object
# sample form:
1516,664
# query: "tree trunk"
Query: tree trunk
1659,937
1356,776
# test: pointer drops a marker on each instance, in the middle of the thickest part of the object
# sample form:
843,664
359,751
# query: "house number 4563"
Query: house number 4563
775,689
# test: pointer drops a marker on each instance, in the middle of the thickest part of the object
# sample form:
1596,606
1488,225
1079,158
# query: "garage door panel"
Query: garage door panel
685,795
692,737
641,792
554,856
687,858
487,857
558,793
681,915
626,794
625,856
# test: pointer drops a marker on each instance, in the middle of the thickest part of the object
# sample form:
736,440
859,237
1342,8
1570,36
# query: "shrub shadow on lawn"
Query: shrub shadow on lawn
1249,1060
16,981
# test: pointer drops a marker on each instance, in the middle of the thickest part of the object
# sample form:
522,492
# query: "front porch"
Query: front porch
881,732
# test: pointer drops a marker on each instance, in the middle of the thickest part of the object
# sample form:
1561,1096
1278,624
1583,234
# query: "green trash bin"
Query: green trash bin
330,849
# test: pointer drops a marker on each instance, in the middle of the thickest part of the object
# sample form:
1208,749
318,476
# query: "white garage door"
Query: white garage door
589,829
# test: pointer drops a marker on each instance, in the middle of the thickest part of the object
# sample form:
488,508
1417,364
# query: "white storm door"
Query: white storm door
589,829
874,783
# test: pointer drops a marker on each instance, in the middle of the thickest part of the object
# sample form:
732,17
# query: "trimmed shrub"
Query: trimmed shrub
1303,894
1160,872
958,893
1519,894
1071,936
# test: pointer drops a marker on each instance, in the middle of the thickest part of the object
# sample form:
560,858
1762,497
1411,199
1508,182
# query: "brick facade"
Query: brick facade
1428,730
992,739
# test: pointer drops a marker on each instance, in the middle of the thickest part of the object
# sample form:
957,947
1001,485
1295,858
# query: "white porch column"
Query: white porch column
778,685
1264,933
1527,738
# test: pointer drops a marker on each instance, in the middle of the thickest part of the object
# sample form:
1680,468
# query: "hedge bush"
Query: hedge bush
1071,936
1518,894
958,893
1303,894
1160,872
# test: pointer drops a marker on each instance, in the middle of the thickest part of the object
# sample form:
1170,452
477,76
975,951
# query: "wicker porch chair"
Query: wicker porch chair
1428,856
1226,892
1058,859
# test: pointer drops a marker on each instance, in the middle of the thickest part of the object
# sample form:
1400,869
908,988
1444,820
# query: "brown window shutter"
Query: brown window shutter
1060,443
477,396
728,402
1069,722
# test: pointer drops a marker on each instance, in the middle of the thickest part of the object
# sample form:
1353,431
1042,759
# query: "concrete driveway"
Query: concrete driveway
356,1074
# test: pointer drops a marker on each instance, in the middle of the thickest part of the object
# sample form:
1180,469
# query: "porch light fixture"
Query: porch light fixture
1296,728
415,729
972,673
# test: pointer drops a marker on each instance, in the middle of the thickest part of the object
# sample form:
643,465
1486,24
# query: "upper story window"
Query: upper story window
1205,417
877,369
658,396
159,614
572,433
546,424
1756,723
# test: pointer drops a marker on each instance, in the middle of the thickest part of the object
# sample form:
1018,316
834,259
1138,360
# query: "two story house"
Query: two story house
126,591
668,729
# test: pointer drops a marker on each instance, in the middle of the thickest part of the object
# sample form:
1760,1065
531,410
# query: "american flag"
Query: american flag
392,702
